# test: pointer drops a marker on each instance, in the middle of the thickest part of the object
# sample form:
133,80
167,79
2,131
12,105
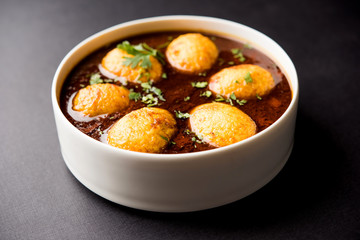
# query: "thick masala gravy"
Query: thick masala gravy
179,93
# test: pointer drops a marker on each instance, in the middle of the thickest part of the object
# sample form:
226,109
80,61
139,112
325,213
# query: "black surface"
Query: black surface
316,195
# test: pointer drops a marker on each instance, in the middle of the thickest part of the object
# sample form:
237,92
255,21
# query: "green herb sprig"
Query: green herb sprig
181,115
150,94
238,54
199,84
95,78
230,100
206,94
142,53
248,79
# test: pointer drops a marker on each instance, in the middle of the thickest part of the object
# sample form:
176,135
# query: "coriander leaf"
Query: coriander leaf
141,55
206,94
95,79
241,102
197,139
240,56
199,84
187,98
235,50
148,88
219,98
158,92
134,96
145,63
165,138
248,78
150,100
181,115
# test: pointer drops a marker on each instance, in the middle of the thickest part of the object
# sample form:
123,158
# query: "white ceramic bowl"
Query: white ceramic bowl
177,182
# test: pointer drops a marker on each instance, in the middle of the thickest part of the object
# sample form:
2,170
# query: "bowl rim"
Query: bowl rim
178,156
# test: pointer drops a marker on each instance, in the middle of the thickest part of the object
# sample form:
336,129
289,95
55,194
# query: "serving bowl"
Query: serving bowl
177,182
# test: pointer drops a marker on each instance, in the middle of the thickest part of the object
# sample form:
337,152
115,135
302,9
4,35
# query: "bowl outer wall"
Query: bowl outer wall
177,182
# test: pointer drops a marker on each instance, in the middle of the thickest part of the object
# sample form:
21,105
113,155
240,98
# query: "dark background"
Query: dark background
316,195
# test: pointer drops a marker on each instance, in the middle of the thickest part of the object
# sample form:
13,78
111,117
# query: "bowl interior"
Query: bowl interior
180,23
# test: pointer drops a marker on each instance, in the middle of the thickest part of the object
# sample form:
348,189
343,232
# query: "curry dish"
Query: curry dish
174,92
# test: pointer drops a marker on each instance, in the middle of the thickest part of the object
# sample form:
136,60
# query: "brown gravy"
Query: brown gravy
176,87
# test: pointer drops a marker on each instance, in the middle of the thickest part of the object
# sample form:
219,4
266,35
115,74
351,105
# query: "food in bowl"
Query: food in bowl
220,124
114,62
98,99
152,135
196,179
244,81
182,73
192,53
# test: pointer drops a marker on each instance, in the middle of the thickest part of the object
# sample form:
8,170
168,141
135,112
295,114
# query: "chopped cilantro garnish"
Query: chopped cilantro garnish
233,98
199,84
197,139
150,100
164,75
187,98
206,94
237,52
219,98
134,96
141,55
148,88
148,94
241,102
165,138
231,62
258,97
181,115
230,100
248,78
95,79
